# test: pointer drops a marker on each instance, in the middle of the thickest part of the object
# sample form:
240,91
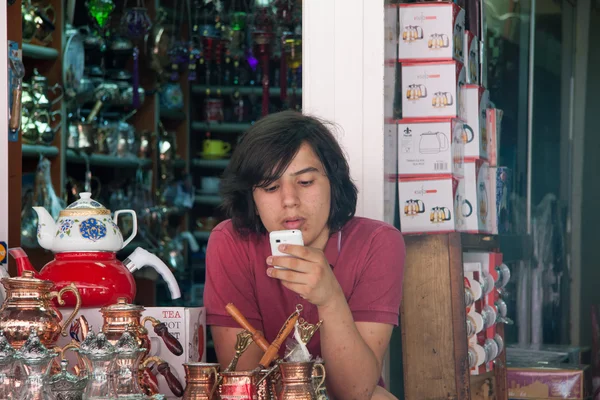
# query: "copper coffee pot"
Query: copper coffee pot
202,380
28,304
122,317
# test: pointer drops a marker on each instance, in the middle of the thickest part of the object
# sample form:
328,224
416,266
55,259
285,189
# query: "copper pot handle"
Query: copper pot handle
165,370
58,295
214,371
162,331
257,336
322,382
285,331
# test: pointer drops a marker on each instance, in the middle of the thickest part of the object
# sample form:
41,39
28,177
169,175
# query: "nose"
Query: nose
289,195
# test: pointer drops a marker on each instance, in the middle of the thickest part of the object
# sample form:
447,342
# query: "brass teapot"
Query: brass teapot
28,305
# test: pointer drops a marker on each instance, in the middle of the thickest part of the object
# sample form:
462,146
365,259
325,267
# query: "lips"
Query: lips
293,223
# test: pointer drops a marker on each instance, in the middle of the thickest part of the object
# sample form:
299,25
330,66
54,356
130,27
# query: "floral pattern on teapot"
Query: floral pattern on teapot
92,229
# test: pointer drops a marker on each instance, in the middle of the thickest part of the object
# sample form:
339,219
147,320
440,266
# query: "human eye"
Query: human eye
271,189
306,182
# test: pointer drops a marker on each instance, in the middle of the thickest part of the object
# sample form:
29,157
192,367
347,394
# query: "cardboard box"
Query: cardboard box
188,325
500,182
477,202
430,147
476,101
471,58
548,381
428,204
431,31
493,125
432,90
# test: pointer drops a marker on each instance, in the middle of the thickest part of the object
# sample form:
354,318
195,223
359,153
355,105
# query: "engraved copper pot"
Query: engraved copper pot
268,387
28,304
201,381
297,380
123,316
238,385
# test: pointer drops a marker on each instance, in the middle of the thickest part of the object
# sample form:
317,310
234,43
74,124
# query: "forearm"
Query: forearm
353,371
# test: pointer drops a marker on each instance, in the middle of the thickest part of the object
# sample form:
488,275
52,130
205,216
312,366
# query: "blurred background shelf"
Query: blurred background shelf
39,52
36,150
242,90
103,160
215,164
221,127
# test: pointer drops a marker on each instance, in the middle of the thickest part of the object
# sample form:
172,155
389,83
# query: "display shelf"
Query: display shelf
172,115
214,164
221,127
103,160
201,235
513,247
39,52
243,90
35,150
208,199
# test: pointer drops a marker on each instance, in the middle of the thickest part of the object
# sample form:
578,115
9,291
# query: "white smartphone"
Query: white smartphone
292,236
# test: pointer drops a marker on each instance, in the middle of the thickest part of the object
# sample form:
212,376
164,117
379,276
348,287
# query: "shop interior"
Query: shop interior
141,102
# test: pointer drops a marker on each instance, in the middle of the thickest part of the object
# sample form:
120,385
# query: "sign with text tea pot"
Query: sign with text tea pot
85,240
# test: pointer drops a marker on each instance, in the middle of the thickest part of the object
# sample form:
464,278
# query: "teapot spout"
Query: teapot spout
140,258
46,228
22,261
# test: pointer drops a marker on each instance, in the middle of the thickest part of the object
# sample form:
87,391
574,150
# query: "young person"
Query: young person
289,172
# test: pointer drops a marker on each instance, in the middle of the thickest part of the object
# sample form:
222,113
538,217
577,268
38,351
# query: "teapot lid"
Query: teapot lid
122,305
7,352
85,205
128,345
34,351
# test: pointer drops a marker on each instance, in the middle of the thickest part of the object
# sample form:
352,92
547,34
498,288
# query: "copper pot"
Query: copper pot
238,385
28,304
297,380
202,380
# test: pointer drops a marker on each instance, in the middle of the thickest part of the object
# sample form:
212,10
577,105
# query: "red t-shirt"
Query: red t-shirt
367,258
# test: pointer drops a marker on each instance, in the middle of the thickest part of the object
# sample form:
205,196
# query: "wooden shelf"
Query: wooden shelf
208,199
243,90
214,164
39,52
222,127
201,235
35,150
172,115
103,160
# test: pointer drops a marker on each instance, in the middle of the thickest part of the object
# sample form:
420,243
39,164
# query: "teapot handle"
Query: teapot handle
58,295
134,231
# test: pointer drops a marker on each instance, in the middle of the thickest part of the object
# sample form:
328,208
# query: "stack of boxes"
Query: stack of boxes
448,135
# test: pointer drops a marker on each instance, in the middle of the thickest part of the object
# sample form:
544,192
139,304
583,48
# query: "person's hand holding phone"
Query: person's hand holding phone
304,270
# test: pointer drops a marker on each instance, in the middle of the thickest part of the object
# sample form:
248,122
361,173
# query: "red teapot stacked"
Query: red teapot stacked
85,240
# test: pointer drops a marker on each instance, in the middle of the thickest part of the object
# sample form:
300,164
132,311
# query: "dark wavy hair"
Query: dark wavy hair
262,156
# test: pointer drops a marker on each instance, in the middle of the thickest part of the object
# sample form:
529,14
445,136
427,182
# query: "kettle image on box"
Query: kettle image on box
433,143
440,214
414,207
442,99
415,92
85,241
411,33
438,41
483,201
467,135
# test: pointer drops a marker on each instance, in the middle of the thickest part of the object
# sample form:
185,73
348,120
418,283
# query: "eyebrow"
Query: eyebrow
304,171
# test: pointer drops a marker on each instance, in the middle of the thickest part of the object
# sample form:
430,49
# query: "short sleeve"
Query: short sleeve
377,294
229,279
